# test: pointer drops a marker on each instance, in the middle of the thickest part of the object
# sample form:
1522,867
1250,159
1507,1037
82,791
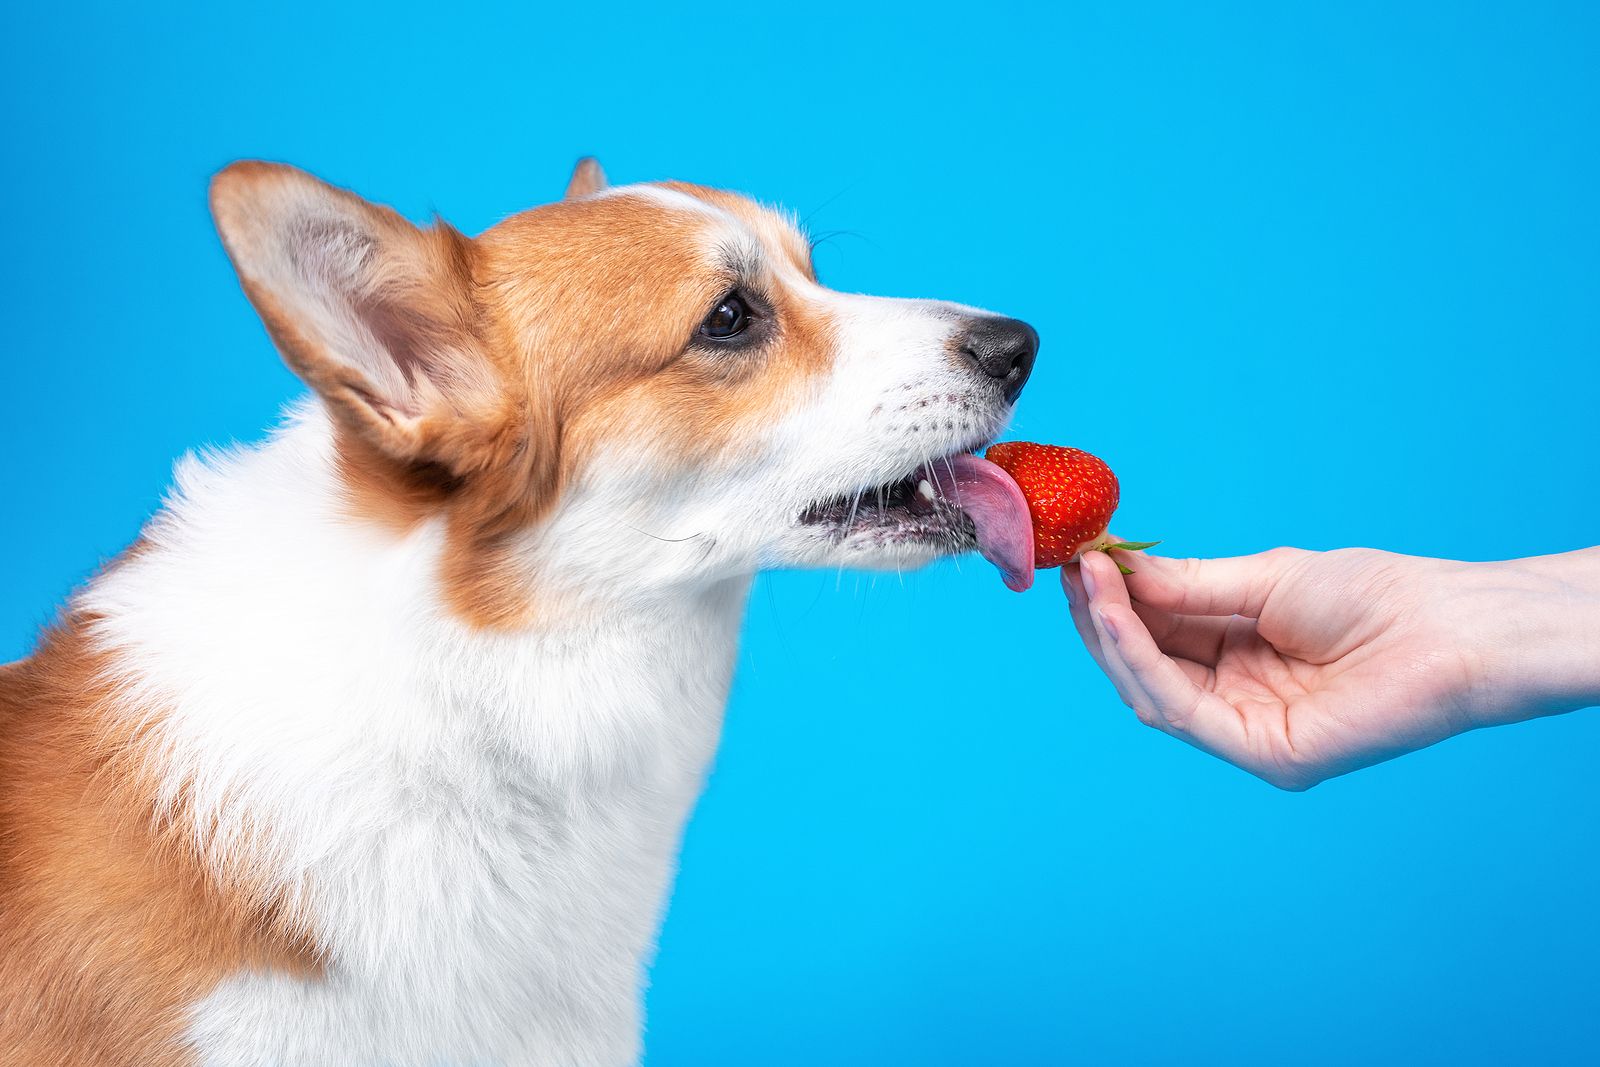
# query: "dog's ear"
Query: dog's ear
372,312
587,177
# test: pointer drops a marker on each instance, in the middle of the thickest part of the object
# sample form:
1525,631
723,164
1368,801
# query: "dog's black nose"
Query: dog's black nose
1003,349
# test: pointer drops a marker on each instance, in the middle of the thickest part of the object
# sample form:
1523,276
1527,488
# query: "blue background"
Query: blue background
1322,275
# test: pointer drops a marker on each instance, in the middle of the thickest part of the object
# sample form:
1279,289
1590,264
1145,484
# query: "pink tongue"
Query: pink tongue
997,508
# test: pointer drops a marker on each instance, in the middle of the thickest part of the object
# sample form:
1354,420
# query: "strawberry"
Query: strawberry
1071,497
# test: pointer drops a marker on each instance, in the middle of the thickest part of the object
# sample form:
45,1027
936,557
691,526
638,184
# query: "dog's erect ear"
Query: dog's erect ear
372,312
587,177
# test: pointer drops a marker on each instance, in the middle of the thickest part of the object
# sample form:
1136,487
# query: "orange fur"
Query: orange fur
108,927
583,309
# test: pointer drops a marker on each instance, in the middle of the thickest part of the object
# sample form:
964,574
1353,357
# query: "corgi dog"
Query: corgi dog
376,746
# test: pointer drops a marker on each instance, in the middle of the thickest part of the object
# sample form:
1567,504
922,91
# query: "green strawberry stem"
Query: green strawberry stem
1125,546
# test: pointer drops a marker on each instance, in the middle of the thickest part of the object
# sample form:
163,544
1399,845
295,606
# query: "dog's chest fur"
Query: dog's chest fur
496,923
477,831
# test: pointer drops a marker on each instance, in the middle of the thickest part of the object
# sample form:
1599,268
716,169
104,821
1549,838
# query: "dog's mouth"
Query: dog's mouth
960,501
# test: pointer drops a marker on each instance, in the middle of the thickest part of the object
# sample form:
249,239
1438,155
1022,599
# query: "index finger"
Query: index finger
1234,586
1153,684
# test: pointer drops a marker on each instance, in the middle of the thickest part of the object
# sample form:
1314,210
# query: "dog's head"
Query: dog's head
633,388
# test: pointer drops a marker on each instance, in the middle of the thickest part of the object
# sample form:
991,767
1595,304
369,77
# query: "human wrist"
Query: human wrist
1539,641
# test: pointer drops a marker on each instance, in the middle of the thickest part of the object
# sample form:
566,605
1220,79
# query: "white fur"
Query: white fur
478,830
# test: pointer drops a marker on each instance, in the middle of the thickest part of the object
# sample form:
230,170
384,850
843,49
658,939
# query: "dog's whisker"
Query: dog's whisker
849,523
658,537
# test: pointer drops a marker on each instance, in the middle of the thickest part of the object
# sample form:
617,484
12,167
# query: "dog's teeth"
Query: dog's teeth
925,490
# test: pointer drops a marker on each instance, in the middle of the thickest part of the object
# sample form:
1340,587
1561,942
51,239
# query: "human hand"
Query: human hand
1299,666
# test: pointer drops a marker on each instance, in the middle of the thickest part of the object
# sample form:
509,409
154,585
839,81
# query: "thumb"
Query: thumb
1238,585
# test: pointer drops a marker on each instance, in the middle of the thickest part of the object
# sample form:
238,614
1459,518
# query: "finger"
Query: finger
1102,579
1166,695
1194,642
1199,673
1196,666
1078,606
1236,586
1160,692
1102,582
1194,637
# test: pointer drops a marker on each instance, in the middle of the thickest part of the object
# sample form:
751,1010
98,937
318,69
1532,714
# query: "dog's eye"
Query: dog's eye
729,318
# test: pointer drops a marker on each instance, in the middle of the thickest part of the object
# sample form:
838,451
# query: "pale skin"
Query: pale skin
1301,666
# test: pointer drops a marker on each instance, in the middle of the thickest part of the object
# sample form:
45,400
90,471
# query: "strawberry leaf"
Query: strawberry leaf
1131,546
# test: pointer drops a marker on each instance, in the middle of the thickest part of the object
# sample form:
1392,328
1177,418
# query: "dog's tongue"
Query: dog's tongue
997,509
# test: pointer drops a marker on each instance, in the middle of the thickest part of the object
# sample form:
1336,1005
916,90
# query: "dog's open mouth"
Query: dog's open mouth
961,500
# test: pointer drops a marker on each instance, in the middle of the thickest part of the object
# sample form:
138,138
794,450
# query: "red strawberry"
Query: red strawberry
1071,496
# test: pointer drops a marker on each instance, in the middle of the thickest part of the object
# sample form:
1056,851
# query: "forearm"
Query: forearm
1541,643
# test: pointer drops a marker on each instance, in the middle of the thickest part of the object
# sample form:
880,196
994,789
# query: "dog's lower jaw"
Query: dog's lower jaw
476,830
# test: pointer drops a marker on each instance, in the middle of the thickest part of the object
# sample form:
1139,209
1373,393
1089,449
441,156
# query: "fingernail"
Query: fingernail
1088,579
1068,587
1110,628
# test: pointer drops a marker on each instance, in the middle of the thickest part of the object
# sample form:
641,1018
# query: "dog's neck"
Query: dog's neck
503,809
